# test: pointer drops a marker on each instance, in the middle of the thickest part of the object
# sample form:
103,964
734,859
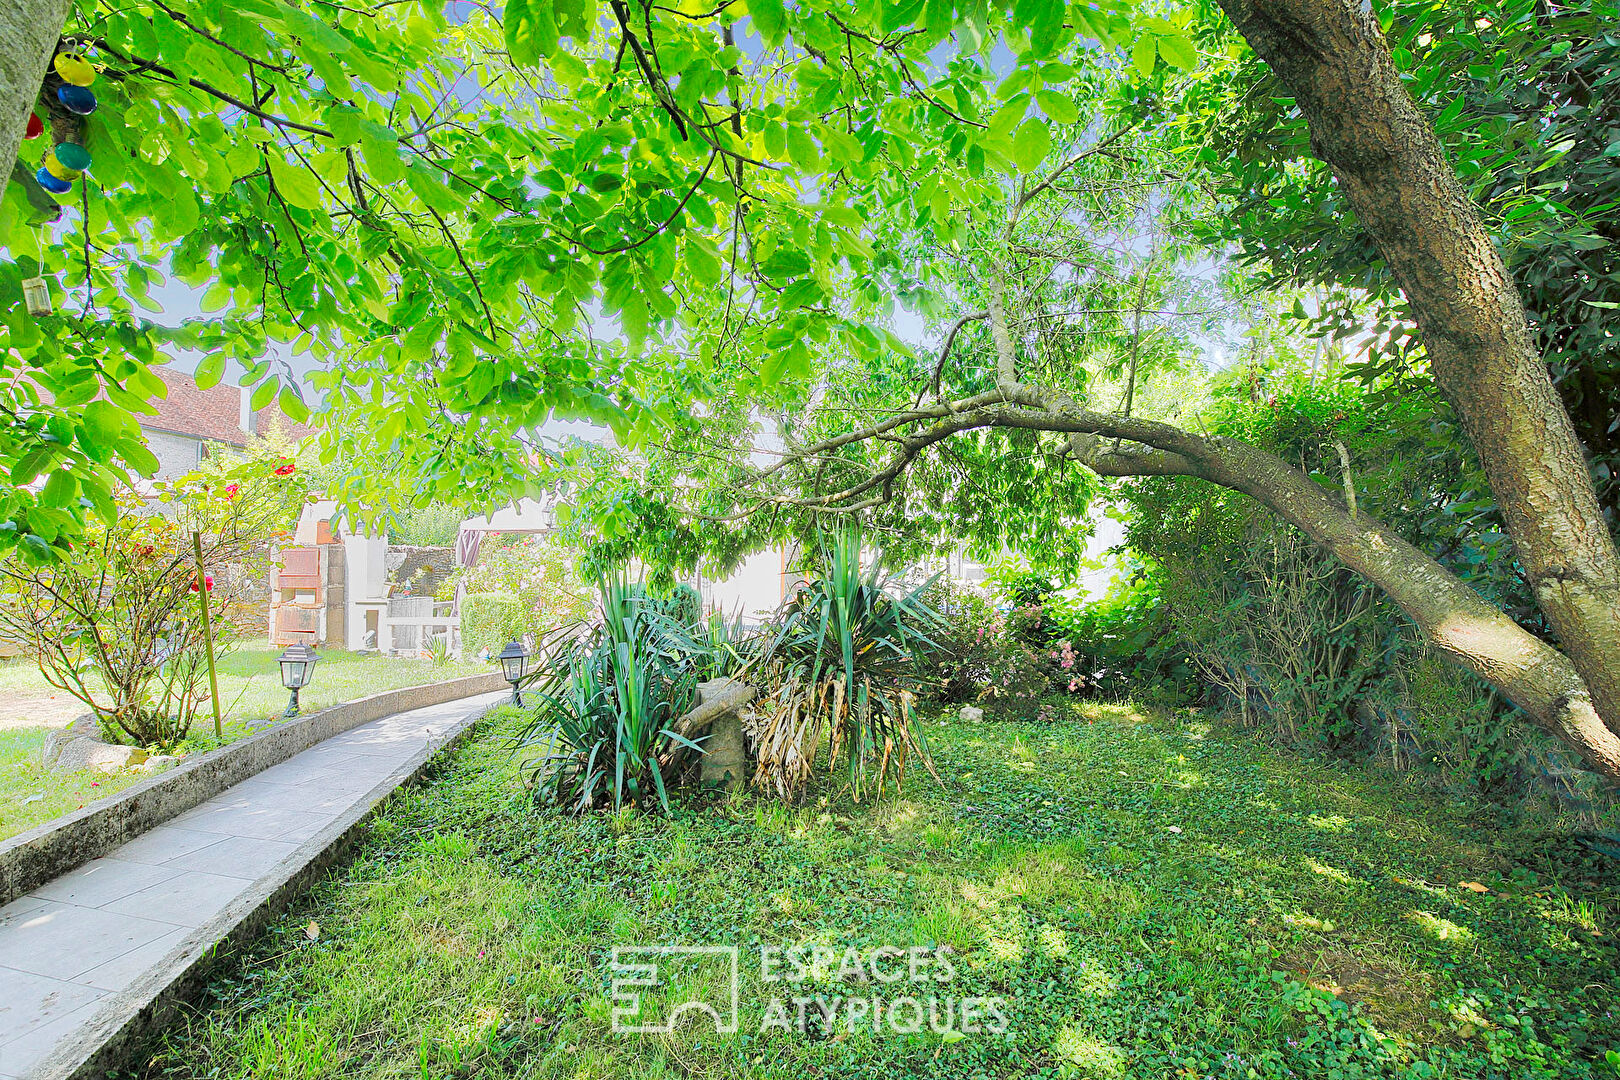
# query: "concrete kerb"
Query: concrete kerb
41,854
130,1017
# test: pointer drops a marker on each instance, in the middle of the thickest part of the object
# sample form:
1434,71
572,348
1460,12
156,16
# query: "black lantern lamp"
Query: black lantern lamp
297,668
514,665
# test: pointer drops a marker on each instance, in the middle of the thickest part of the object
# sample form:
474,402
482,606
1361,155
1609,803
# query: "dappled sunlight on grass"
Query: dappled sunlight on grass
1332,872
1090,1056
1287,928
1441,929
1334,823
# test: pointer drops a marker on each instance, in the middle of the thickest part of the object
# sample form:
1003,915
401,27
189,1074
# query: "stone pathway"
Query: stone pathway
95,931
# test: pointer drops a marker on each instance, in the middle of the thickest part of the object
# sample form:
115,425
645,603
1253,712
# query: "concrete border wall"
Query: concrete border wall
30,859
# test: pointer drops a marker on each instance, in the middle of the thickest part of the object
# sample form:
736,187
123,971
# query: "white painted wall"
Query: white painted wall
755,586
1094,582
363,561
176,454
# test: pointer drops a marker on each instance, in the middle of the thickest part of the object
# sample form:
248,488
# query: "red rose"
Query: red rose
286,470
231,490
208,583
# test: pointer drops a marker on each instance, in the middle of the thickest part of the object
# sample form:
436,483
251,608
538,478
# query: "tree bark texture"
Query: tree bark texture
1332,55
29,31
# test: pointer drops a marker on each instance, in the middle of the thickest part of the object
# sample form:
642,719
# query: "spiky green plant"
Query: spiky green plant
840,664
603,705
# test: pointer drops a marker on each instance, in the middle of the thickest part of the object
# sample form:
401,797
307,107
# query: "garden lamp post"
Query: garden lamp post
514,665
297,668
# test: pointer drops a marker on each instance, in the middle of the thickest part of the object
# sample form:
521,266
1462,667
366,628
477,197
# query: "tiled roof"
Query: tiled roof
214,414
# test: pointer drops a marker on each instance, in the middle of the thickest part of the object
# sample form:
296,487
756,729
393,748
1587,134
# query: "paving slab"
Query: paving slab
86,958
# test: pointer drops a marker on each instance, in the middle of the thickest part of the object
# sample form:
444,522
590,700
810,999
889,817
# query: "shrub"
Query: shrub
117,623
538,572
839,662
605,704
433,525
489,620
1122,643
1295,644
977,658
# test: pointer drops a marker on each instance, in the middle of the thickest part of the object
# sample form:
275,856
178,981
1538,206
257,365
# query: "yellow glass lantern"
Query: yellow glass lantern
74,69
59,170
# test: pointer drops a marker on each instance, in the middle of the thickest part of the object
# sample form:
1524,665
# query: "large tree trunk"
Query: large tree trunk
1363,123
1451,616
29,30
1333,57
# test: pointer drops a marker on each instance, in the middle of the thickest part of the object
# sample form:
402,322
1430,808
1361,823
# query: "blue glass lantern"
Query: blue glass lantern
77,99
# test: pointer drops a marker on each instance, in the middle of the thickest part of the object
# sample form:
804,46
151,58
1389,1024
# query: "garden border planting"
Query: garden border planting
30,859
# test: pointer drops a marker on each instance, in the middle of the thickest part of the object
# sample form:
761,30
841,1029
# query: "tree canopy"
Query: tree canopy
711,227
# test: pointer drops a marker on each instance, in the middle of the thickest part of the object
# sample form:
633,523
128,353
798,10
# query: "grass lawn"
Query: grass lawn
250,697
1149,897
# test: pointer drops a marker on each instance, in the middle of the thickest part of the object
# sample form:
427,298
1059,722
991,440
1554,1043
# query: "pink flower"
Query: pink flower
208,581
1074,684
231,491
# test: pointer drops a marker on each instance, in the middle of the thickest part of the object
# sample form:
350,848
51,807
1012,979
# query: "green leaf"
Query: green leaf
292,404
1059,108
344,122
60,490
104,424
1143,52
769,19
1045,26
264,393
139,458
1179,51
801,149
210,370
29,466
296,183
530,29
1031,145
704,265
576,19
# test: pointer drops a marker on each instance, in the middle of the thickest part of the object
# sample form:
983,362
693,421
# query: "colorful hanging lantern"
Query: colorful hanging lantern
58,170
72,156
36,296
75,69
77,99
54,185
36,127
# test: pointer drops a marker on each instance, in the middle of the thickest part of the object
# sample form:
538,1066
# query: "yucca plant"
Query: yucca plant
840,664
603,706
723,646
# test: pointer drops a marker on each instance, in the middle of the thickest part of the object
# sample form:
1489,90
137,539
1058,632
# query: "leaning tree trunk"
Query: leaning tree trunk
1332,55
1451,616
29,30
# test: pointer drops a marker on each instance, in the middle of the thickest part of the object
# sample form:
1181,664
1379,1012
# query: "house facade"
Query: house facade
191,423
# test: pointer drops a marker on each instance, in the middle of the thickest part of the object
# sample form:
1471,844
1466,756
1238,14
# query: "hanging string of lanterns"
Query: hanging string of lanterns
67,160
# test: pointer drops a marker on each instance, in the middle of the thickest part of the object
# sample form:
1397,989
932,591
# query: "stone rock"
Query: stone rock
724,759
155,763
72,749
971,713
